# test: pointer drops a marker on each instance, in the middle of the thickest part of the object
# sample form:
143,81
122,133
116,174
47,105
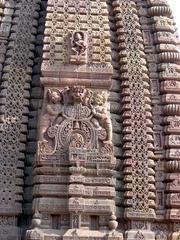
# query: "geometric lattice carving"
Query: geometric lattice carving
135,114
68,17
14,94
16,75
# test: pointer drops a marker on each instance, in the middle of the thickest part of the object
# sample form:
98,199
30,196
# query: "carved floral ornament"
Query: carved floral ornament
78,118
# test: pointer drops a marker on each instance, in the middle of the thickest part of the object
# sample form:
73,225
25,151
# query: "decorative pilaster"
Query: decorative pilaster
159,227
74,177
115,100
137,121
6,12
35,102
16,75
2,42
166,42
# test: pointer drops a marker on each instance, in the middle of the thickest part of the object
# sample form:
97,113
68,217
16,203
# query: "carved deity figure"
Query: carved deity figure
100,113
78,43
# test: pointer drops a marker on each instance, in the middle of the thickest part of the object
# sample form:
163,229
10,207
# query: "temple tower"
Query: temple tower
89,120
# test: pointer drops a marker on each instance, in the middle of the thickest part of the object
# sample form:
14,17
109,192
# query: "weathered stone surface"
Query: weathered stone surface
84,83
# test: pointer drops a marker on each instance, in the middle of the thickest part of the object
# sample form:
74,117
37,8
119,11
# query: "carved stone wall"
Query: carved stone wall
115,100
35,103
89,120
66,17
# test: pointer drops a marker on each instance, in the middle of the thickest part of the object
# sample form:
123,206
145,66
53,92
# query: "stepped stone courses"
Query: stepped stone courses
89,120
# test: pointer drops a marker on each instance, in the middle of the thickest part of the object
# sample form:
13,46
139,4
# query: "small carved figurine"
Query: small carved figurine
53,110
55,97
78,43
100,113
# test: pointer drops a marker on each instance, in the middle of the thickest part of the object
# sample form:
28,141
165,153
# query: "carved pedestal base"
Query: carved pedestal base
77,59
71,234
139,235
34,234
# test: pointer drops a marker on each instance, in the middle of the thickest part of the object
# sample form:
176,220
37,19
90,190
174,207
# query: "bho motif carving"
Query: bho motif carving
78,128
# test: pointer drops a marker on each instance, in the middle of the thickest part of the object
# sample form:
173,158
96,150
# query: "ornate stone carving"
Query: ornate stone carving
140,236
137,200
78,51
78,121
79,187
78,43
76,220
82,21
112,222
168,58
16,75
76,137
35,232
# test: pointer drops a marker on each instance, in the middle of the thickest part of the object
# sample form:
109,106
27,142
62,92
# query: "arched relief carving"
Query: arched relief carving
76,121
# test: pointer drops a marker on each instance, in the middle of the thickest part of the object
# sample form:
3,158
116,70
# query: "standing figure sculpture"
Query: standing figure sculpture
100,114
